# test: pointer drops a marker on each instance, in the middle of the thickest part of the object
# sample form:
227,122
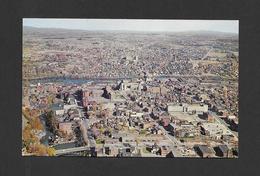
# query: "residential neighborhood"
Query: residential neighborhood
130,94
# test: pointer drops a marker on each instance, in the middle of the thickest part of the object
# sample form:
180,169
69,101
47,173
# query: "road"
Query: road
174,141
207,53
84,131
71,150
220,121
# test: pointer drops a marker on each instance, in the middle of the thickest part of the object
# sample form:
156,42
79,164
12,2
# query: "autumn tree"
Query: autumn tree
50,99
28,137
36,124
42,150
51,151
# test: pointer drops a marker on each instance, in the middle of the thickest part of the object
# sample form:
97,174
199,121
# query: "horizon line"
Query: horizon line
153,25
123,30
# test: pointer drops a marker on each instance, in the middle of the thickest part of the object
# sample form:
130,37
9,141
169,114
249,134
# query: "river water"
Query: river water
77,81
70,80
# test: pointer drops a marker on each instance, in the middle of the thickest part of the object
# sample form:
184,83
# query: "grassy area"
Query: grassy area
99,141
144,150
142,132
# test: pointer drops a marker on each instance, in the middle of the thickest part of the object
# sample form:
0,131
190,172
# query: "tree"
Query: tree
36,123
33,117
50,99
50,121
42,150
28,137
51,151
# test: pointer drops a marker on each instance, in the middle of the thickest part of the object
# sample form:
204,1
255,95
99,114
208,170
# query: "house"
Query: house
126,150
108,93
125,85
222,151
93,106
110,151
165,121
175,108
93,152
66,128
197,108
172,127
204,97
164,150
58,108
156,130
170,155
184,130
233,123
204,151
214,130
187,108
163,90
228,137
69,106
71,100
136,114
155,149
235,152
74,114
187,132
207,116
154,90
145,125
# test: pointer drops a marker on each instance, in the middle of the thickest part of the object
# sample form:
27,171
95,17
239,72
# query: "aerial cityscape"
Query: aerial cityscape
129,88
